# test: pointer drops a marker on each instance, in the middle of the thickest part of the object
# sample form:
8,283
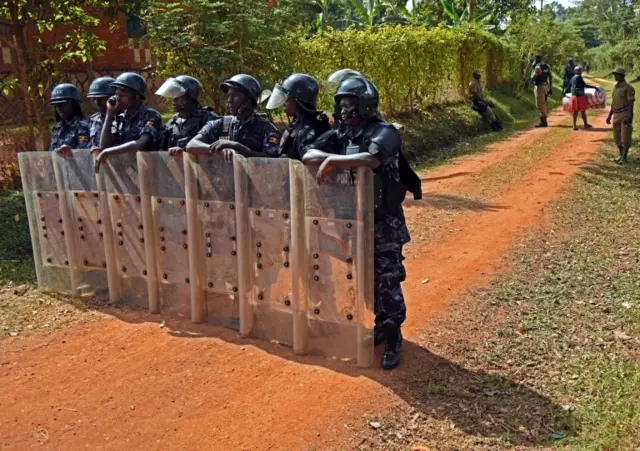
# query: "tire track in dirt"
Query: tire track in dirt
125,383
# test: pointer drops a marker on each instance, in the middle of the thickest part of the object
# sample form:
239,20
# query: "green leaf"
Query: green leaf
450,10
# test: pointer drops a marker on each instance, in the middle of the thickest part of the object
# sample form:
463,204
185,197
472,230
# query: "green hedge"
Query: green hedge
412,67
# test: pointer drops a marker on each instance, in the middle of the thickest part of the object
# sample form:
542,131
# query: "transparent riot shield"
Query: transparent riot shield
335,285
264,225
162,187
210,192
120,196
77,179
45,220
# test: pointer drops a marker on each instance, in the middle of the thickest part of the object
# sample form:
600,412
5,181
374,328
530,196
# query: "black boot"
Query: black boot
542,123
618,159
625,154
497,126
379,336
392,348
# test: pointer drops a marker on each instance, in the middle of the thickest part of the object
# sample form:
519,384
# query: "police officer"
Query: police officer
99,92
569,72
190,117
543,87
244,132
372,142
71,130
623,98
129,125
482,105
299,96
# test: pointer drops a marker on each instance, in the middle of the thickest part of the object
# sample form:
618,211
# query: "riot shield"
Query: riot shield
121,198
264,228
166,238
210,194
46,224
76,176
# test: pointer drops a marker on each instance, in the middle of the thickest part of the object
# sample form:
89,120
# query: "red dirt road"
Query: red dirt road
124,383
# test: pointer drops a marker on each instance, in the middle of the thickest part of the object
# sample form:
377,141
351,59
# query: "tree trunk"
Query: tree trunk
472,9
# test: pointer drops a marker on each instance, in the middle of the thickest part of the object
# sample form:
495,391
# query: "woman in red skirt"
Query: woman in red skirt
579,102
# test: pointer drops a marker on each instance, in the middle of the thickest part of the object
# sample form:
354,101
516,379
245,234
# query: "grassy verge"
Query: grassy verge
16,258
551,351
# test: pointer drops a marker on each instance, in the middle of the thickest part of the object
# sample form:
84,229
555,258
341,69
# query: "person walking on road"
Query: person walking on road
579,103
542,87
623,98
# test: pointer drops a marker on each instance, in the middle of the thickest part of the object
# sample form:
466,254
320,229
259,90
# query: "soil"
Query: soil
124,382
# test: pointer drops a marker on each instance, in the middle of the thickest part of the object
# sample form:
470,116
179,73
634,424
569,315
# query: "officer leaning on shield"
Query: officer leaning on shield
361,138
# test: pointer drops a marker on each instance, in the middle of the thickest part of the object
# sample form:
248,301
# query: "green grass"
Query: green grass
16,258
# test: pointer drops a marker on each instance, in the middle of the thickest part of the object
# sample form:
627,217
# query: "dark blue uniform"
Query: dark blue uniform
96,121
300,137
178,131
256,133
390,229
73,133
145,121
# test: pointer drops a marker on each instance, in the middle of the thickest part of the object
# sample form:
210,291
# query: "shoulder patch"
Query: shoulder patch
273,140
150,123
83,138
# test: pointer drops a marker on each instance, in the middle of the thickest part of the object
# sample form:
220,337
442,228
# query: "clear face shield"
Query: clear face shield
171,89
278,97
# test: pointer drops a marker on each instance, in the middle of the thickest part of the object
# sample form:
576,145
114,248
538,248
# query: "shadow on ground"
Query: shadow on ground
451,202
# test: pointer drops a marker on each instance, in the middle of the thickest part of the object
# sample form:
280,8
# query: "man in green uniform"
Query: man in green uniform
624,95
481,105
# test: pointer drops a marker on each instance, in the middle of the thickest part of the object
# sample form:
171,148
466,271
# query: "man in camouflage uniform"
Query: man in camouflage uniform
371,142
481,105
184,92
129,125
99,92
542,87
71,130
623,98
244,132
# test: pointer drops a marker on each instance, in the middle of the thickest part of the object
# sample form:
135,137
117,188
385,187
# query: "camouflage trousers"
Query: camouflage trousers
390,235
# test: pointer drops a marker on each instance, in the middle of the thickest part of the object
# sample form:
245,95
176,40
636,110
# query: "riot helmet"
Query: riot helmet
132,81
301,87
101,87
65,92
246,83
179,86
354,84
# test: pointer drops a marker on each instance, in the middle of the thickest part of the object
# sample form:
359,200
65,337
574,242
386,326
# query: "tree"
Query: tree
47,34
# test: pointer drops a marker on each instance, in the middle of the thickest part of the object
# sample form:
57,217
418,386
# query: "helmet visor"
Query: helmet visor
171,88
278,97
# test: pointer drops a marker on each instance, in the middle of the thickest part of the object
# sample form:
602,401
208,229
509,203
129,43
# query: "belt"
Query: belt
620,110
543,84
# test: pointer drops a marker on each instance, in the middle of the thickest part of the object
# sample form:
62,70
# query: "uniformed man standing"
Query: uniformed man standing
482,105
244,132
99,92
543,87
372,142
130,125
190,117
569,72
623,98
71,130
299,96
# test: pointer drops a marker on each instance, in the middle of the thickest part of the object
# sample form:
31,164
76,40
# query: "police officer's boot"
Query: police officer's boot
379,335
542,123
392,348
618,159
497,126
625,153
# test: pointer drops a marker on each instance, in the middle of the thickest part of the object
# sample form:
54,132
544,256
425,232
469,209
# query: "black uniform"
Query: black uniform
178,131
73,133
256,133
145,121
298,138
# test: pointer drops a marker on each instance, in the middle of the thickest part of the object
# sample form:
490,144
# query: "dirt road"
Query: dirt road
124,383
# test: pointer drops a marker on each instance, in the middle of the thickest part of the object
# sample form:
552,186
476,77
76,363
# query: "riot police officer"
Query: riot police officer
184,92
71,130
371,142
129,125
299,96
99,92
244,132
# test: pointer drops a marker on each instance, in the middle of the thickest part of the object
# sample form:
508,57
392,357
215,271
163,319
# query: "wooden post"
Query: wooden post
299,264
26,172
113,277
243,236
67,221
145,178
196,253
365,267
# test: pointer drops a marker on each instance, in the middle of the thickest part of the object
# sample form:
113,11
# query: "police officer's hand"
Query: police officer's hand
112,106
609,119
175,151
63,150
629,119
101,158
324,170
219,145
